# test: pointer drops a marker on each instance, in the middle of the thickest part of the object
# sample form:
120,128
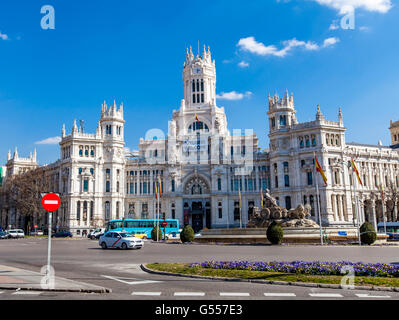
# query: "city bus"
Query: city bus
392,229
146,225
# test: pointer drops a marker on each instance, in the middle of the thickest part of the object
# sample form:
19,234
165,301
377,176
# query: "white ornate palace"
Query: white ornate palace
203,166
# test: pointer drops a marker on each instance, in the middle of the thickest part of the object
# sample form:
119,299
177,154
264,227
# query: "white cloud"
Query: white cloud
233,95
251,45
330,42
343,6
243,64
3,36
52,140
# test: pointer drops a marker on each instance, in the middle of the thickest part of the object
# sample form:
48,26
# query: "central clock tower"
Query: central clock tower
199,79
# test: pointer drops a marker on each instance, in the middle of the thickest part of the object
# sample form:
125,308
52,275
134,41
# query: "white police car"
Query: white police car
119,239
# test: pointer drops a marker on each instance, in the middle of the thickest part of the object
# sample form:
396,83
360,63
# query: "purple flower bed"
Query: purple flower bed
303,267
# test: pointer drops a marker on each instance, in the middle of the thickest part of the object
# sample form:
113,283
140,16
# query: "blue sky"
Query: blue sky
133,52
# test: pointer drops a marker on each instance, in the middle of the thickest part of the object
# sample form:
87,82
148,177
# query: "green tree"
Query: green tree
367,233
187,234
154,233
275,233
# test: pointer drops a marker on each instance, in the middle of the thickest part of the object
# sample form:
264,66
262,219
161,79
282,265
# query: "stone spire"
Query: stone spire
63,130
9,154
74,127
319,115
15,153
34,155
340,120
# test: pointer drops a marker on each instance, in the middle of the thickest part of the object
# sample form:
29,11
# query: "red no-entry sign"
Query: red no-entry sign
164,223
51,202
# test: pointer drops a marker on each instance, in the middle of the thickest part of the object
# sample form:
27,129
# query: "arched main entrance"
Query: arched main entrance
197,203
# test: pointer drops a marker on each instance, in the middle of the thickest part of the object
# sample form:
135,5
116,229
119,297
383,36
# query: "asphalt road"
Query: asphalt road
83,260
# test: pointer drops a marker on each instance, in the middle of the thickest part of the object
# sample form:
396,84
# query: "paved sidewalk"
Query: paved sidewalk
20,279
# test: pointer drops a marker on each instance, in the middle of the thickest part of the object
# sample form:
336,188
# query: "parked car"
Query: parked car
118,239
62,234
140,234
16,233
37,233
94,233
174,235
4,235
98,235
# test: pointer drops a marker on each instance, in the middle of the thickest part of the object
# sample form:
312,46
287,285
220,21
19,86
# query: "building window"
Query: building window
236,210
107,210
219,184
86,185
173,185
276,182
91,210
86,151
81,151
273,122
78,210
173,211
107,186
288,203
311,200
310,178
286,180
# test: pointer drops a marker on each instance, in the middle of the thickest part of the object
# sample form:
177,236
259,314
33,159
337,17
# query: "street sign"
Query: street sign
164,224
342,233
35,226
51,202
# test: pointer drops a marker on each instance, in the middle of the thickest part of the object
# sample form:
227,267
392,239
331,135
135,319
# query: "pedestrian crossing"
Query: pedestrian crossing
320,295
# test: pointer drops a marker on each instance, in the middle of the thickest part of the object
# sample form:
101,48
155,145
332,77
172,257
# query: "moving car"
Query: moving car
140,234
119,239
4,235
37,233
16,233
62,234
93,234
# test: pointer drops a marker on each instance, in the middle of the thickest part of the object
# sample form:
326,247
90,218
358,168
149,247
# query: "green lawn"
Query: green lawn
275,276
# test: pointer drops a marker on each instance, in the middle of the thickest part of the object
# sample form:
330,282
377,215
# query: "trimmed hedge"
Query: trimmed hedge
187,234
154,234
367,233
275,233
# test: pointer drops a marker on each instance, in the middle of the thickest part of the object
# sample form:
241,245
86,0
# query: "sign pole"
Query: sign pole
49,246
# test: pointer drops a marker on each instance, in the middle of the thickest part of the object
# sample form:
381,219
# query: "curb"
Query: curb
283,283
103,290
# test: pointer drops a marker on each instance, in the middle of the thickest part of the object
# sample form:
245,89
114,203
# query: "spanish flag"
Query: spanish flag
160,186
357,172
196,118
320,169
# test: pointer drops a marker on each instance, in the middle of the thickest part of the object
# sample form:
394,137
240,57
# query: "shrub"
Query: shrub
275,233
154,234
187,234
367,233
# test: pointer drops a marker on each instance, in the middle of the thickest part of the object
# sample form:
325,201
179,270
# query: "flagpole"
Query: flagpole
356,210
240,209
318,200
383,209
